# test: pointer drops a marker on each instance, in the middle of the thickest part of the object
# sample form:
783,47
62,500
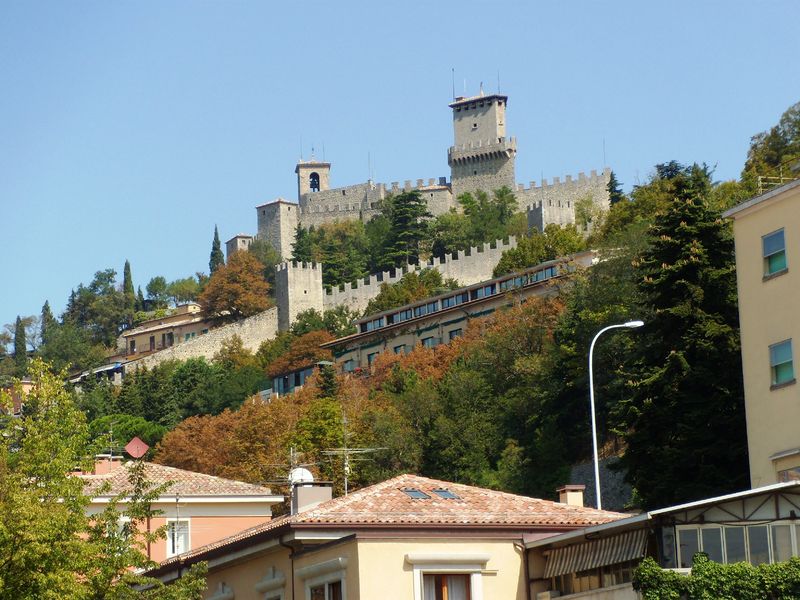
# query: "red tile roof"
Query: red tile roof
181,482
387,505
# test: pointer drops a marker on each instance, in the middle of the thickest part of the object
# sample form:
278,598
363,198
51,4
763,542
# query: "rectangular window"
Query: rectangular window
792,474
349,365
133,346
774,253
327,591
177,537
430,342
371,357
455,333
734,545
401,349
780,362
451,587
688,546
152,342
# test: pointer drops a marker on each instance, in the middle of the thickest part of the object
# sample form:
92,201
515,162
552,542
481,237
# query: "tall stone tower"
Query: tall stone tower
482,157
277,223
312,176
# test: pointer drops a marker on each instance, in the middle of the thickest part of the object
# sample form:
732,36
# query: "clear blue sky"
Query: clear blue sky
129,129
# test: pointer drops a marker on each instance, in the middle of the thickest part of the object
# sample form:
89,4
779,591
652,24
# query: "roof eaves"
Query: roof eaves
747,204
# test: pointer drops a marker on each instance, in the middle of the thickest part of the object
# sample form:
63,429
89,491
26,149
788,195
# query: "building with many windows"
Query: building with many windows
767,234
439,319
180,324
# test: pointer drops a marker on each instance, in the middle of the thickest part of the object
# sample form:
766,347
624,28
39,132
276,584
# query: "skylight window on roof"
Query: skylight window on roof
416,494
446,494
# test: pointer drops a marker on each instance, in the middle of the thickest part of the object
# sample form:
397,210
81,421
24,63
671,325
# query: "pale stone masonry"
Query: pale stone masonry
481,158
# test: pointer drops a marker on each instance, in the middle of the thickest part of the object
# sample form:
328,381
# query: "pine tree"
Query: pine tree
20,348
48,322
684,423
328,385
614,188
217,258
302,248
408,216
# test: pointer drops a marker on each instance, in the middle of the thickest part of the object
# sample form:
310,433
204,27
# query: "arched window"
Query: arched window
314,181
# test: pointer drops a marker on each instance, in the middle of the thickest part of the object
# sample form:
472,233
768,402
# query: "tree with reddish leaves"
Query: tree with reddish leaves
236,290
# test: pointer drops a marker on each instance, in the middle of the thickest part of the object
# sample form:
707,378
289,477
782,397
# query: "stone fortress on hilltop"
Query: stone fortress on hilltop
482,158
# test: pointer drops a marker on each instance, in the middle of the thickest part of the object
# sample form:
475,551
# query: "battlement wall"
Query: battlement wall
467,267
554,202
298,287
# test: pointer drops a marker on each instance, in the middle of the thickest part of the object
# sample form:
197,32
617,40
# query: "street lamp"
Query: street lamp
628,325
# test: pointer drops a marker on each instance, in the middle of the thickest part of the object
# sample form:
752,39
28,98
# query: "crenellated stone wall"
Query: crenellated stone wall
554,202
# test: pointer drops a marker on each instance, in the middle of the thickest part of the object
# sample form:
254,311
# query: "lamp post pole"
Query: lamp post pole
627,325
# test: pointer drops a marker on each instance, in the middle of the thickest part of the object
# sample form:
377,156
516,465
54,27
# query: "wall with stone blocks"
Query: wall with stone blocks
467,267
298,287
555,202
252,330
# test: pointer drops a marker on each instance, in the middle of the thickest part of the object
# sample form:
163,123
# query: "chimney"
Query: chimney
306,496
571,494
105,463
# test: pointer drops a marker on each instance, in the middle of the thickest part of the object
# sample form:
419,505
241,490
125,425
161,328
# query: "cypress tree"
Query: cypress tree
128,294
328,385
140,303
20,348
48,322
684,423
302,248
217,258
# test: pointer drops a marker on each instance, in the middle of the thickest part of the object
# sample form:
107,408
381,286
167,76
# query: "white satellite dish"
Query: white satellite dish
299,475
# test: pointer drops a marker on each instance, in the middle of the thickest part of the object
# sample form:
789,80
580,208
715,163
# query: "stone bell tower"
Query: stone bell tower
312,176
482,157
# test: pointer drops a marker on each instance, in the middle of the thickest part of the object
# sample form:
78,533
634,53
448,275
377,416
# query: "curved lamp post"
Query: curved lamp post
628,325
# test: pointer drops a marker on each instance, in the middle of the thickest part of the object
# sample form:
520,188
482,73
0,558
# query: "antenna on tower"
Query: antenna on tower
604,152
453,75
369,167
301,147
480,93
498,81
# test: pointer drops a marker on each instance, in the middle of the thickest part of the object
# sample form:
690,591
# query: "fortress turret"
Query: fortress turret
482,157
277,223
312,176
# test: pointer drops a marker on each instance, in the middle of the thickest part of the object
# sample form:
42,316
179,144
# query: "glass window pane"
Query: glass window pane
734,545
782,373
759,544
688,546
773,243
780,353
335,590
712,543
318,592
776,262
457,586
781,543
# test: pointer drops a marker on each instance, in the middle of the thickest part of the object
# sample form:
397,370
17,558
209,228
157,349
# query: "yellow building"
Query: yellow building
767,234
181,324
409,537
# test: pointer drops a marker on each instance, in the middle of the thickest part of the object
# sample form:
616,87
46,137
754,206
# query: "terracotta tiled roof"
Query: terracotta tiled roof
387,505
183,483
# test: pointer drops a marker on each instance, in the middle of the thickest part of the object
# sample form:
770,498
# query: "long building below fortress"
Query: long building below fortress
482,158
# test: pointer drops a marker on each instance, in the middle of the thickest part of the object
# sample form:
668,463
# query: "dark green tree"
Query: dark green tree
684,422
128,293
217,259
157,293
20,348
328,384
614,188
408,214
303,246
48,322
140,302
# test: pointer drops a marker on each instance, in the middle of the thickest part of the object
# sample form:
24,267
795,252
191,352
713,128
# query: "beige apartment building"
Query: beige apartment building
181,324
767,234
407,538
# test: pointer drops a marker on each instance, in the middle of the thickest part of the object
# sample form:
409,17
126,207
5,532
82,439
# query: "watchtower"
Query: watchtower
482,157
312,176
277,223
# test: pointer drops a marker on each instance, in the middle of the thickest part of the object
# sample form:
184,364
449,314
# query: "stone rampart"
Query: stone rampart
466,267
554,202
252,331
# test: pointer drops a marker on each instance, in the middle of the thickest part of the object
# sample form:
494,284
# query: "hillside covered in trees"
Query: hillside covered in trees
505,406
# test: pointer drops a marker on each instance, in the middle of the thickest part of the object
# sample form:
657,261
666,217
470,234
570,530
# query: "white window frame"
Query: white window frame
324,573
794,532
772,367
188,522
448,564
